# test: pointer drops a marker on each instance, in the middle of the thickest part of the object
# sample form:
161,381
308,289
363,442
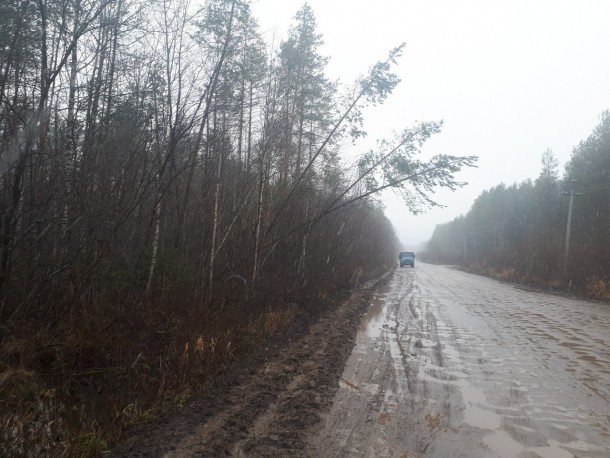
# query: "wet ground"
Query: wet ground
448,364
264,405
426,362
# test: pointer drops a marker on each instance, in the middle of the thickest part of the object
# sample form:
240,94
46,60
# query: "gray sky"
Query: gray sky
509,78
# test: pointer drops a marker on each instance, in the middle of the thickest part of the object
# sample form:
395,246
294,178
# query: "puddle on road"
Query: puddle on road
373,320
503,392
475,413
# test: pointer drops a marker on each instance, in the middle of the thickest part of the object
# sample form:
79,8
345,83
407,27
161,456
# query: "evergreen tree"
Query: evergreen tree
305,92
519,230
589,172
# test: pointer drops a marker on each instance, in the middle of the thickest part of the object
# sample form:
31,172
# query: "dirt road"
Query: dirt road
435,363
448,364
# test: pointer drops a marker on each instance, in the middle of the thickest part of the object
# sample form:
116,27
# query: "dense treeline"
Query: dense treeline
171,191
519,231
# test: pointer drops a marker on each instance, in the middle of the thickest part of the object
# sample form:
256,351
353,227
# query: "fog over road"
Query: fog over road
449,364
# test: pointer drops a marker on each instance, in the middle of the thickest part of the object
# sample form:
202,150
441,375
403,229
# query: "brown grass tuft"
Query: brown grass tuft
599,289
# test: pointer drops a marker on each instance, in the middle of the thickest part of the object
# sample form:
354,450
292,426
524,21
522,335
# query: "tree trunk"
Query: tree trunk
215,226
155,246
259,216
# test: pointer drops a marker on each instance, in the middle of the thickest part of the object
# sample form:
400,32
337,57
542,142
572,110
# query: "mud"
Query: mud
453,364
435,363
264,407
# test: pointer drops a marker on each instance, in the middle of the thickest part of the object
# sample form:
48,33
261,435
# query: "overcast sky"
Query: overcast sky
509,78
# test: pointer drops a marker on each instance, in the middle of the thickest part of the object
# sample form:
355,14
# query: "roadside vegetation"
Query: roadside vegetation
172,194
519,232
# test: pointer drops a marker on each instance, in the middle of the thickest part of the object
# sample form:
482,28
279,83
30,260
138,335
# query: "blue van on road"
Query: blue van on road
407,258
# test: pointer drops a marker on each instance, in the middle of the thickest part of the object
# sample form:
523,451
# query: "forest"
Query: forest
172,193
521,232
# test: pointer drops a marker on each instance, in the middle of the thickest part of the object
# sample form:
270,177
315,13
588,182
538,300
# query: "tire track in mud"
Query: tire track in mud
393,397
467,367
445,364
264,411
422,353
510,344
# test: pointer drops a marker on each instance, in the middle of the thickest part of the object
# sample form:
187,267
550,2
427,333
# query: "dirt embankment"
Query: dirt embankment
263,407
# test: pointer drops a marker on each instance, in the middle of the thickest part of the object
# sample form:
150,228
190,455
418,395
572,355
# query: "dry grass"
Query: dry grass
599,289
272,322
88,444
553,284
31,422
506,274
73,392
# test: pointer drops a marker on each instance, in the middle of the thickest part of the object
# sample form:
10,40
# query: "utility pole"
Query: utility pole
568,228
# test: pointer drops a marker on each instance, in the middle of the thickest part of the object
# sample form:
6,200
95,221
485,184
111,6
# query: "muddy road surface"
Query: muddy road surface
426,362
448,364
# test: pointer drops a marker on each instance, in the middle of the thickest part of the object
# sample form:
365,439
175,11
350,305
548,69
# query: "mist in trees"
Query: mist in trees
519,231
166,175
159,144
